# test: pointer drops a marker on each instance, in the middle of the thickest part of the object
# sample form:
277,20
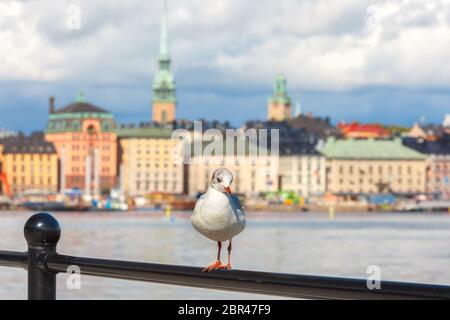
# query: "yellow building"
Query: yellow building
30,163
370,166
147,162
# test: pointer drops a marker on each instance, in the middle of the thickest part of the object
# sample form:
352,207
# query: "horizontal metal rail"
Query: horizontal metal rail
14,259
277,284
43,263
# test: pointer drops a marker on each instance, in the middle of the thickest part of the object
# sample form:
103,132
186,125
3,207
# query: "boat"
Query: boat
51,206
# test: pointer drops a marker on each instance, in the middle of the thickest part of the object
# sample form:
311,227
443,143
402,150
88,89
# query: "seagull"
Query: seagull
218,215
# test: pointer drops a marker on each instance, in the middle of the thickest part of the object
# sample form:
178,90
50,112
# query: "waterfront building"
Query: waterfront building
28,163
369,166
428,132
301,167
438,168
164,88
148,163
357,130
254,173
85,138
280,104
303,172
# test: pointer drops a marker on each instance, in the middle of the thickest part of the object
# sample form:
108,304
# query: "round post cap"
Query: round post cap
42,229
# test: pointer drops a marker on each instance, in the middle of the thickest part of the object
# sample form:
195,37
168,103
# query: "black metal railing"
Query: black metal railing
42,232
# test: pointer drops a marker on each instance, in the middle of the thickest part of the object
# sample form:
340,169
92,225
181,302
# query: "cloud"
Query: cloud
318,44
224,47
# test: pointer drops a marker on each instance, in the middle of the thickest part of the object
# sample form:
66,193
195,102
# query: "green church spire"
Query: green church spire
80,97
164,83
280,94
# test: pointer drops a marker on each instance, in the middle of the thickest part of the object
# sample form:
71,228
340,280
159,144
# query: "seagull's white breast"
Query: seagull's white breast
218,216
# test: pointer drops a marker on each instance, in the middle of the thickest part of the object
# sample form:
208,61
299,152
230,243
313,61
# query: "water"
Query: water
407,247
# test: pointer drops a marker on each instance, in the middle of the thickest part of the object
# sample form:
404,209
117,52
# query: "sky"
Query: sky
369,61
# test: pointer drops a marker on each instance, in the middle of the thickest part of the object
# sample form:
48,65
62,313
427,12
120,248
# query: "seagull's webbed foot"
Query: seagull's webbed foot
216,265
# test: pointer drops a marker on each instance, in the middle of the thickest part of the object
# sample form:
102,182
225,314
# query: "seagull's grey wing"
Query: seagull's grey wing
236,202
238,209
199,204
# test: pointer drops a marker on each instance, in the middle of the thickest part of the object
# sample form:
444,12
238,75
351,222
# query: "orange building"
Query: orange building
357,130
86,141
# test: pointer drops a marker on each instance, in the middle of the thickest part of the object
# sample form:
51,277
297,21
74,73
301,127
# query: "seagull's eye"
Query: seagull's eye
219,179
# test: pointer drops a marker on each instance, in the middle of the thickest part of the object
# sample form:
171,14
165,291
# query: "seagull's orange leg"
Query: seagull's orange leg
228,266
216,264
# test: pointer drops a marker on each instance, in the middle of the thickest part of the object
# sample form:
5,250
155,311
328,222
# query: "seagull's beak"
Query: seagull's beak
228,190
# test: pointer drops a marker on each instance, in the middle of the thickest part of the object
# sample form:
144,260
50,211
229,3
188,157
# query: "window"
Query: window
75,126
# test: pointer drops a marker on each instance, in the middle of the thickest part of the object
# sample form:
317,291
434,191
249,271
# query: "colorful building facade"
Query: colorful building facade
86,141
254,173
303,173
147,161
438,160
28,163
370,166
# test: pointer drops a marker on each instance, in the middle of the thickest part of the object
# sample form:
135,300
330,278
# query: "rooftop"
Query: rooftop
292,140
358,127
34,144
439,147
240,147
80,107
319,127
144,130
369,149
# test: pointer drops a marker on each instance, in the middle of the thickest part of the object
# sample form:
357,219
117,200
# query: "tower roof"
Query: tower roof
34,144
80,106
164,83
280,94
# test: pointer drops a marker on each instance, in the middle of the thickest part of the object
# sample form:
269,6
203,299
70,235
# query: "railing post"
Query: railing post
42,233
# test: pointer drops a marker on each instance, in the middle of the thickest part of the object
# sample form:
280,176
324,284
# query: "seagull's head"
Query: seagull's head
221,180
